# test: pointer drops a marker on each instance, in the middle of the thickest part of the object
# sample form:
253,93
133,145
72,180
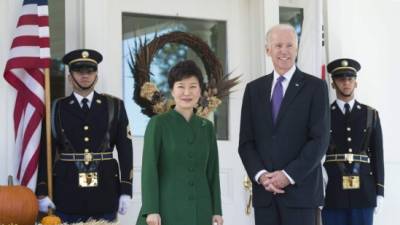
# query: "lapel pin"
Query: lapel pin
98,101
358,107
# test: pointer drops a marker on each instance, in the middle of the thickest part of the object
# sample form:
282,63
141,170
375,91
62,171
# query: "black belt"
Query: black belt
86,157
347,158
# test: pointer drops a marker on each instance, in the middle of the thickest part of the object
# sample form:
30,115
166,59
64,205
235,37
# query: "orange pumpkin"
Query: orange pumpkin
18,205
51,220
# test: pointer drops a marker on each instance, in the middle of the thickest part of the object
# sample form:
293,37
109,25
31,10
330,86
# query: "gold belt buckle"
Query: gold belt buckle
89,179
349,157
351,182
87,157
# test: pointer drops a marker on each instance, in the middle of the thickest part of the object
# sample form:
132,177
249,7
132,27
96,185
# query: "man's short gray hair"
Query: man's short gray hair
280,27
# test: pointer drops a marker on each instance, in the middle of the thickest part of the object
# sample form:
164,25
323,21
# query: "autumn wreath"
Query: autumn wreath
147,95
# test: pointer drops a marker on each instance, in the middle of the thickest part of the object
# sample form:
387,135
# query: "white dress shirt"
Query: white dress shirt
80,97
341,104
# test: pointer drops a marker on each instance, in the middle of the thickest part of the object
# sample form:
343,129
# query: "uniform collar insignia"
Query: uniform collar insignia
333,107
71,102
98,101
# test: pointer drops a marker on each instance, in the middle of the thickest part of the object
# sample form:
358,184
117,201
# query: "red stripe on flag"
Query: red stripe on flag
31,168
30,41
41,21
323,72
33,124
28,62
24,91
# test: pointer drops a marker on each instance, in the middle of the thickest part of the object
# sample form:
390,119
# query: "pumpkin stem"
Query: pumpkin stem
10,180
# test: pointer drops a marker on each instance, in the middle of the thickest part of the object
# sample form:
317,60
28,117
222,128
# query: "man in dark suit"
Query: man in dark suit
354,161
284,134
86,126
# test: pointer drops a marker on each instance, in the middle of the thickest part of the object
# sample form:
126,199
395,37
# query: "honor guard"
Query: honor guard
354,161
88,182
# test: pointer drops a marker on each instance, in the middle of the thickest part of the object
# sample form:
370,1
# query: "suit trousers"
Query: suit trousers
279,214
360,216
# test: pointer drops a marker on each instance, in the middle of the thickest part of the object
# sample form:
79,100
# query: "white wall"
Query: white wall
8,15
368,30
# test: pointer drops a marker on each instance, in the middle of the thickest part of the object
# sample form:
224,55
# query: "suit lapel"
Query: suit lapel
295,85
264,93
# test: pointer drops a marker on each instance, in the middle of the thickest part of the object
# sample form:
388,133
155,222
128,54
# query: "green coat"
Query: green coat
180,174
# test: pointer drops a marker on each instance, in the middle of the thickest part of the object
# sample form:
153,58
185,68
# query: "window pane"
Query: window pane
294,17
138,27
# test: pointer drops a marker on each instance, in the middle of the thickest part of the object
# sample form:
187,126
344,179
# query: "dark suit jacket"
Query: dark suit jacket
295,144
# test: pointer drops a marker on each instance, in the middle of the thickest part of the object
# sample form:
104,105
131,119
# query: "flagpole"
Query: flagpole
48,133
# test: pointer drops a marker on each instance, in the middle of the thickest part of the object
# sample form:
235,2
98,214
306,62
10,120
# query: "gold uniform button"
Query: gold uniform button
348,129
86,139
86,127
349,139
350,150
86,150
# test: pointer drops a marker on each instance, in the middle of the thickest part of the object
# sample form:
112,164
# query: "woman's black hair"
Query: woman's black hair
183,70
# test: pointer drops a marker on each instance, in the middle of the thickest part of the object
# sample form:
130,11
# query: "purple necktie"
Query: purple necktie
277,97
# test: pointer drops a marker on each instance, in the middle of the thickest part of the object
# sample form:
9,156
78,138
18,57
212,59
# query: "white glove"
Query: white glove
45,203
325,179
124,202
379,200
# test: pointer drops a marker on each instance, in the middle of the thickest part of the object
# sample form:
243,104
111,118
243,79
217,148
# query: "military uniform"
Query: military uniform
348,155
354,160
180,173
87,180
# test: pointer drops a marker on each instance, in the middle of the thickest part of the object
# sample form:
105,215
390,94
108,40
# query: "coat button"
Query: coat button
350,150
85,127
349,139
348,128
86,139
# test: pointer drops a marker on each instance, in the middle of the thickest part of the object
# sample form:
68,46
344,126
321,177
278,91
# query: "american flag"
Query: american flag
29,56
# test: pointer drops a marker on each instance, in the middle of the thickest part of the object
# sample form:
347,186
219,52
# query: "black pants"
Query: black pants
279,214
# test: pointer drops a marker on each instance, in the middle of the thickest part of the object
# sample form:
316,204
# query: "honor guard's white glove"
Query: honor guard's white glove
124,202
379,200
45,203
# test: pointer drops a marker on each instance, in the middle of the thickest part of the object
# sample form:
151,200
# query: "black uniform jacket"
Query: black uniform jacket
348,137
87,132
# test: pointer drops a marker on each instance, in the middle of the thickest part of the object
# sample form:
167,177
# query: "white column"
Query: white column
271,18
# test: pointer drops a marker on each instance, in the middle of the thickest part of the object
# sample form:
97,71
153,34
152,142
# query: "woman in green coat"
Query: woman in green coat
180,172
